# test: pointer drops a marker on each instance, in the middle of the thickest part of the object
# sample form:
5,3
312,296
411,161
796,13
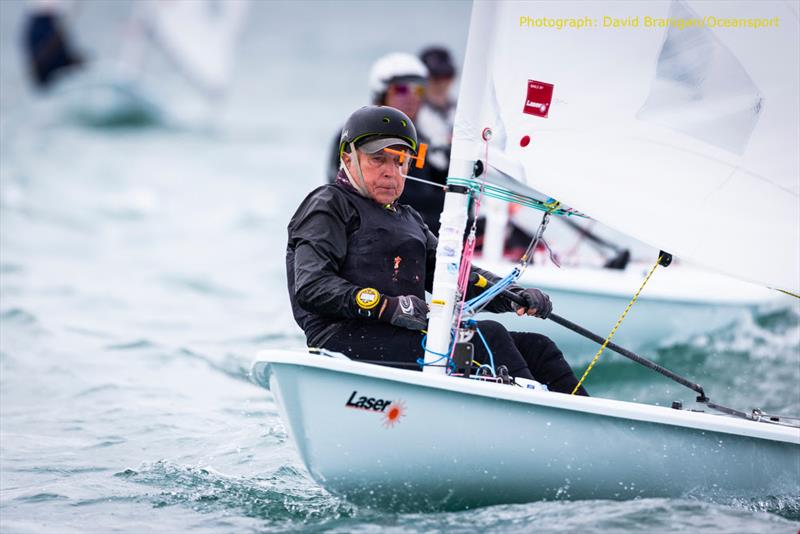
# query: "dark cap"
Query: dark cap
438,61
378,143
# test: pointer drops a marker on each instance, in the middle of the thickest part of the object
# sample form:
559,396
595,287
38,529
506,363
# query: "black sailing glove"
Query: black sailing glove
537,303
407,311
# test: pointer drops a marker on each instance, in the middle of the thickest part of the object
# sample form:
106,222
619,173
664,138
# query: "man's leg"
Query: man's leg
379,342
526,355
504,349
547,362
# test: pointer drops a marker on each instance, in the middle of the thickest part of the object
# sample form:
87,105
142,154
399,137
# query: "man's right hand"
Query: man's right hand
537,302
407,311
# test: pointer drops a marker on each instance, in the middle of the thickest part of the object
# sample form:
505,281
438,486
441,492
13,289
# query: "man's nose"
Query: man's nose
392,169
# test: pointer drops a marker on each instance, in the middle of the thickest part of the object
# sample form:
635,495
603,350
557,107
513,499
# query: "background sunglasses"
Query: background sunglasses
408,88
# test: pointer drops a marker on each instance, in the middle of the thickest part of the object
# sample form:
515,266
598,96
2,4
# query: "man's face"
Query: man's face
439,88
405,96
383,172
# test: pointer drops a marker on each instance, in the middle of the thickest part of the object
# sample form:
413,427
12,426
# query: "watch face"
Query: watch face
367,298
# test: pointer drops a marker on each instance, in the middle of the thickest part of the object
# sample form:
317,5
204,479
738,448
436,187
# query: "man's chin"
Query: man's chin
385,198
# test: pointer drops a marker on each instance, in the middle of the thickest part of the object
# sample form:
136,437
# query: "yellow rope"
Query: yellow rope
789,293
613,330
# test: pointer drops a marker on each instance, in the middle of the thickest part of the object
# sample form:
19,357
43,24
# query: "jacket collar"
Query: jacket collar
343,181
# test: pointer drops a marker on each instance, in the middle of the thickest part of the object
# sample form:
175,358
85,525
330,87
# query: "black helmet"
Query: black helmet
374,128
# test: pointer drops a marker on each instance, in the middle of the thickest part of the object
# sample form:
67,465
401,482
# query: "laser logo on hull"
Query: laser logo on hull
392,410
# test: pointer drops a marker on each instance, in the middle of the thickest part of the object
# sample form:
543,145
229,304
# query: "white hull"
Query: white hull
677,302
461,443
113,95
105,95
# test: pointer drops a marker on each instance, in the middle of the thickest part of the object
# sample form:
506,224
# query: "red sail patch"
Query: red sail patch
537,102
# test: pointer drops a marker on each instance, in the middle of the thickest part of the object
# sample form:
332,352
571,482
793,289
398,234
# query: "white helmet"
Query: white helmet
395,67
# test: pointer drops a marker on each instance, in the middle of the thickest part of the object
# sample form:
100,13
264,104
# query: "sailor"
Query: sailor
438,111
47,46
436,118
398,80
358,263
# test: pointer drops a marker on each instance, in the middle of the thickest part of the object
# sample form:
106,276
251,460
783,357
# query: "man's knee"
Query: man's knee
543,356
538,344
492,329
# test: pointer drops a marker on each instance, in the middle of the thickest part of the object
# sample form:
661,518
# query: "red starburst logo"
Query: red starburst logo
393,414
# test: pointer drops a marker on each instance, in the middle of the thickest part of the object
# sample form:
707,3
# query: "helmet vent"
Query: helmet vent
386,120
404,123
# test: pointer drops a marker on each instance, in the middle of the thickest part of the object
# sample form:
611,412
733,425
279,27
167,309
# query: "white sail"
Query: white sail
685,138
199,36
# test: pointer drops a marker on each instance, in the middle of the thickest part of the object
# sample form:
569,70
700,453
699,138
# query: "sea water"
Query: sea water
142,268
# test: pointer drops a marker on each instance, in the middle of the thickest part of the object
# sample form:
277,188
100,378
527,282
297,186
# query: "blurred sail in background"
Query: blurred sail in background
197,38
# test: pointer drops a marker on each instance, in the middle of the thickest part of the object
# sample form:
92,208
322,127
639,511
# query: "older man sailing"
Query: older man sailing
359,262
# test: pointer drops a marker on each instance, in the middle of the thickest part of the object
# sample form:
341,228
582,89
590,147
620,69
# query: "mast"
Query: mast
466,150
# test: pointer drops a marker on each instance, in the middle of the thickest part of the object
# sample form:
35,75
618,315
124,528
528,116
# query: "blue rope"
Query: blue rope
478,377
473,304
491,356
442,356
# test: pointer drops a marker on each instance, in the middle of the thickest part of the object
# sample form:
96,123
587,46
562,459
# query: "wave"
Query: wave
19,317
644,515
282,498
200,285
132,345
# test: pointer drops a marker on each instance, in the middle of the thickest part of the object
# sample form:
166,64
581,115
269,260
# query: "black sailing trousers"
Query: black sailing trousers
526,354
